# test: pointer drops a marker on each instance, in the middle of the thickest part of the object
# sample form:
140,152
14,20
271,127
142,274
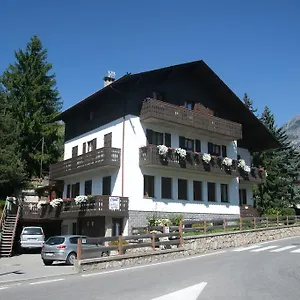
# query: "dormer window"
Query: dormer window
189,104
158,95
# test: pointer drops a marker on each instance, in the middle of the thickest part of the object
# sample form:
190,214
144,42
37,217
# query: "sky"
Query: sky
253,46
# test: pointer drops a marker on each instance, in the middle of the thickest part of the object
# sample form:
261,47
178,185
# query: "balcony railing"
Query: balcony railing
153,110
103,157
149,157
98,206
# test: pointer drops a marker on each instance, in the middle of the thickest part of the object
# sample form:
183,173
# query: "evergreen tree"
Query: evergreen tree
282,166
35,101
249,104
12,173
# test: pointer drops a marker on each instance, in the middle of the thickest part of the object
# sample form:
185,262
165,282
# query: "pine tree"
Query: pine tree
282,166
12,174
249,104
35,102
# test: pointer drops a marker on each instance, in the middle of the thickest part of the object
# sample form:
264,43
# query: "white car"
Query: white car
32,238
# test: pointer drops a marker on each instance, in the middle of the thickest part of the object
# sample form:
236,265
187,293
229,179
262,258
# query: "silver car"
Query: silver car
32,238
64,248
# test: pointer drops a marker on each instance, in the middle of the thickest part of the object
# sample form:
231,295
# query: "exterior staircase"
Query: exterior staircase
8,225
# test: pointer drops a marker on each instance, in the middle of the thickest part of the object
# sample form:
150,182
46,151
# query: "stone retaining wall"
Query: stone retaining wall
192,245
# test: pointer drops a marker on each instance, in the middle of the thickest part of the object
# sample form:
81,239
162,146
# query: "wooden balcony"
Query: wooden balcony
162,113
149,157
98,206
100,158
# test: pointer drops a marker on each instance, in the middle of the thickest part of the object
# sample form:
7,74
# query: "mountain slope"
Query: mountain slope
292,129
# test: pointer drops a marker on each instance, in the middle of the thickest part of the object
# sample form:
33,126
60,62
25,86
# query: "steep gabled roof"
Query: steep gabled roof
252,127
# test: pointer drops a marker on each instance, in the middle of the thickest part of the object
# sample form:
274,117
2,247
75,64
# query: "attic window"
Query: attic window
189,104
158,95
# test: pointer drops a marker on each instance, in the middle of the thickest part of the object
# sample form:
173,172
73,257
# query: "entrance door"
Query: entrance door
117,226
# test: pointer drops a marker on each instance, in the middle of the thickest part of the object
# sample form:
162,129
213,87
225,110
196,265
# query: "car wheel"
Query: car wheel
48,262
71,258
104,254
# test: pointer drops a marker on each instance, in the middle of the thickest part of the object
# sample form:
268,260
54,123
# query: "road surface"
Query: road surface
267,271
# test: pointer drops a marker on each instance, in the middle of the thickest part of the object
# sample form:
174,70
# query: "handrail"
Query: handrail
15,227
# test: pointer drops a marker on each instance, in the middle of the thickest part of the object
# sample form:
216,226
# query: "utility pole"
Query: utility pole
41,173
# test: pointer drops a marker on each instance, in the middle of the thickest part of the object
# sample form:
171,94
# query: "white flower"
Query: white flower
227,161
41,203
80,199
241,163
56,202
162,150
163,222
266,174
206,157
180,152
247,169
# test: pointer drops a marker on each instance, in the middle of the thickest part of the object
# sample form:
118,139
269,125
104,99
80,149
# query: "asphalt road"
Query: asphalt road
267,271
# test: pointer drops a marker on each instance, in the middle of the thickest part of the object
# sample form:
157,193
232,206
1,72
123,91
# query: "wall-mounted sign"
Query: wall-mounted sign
114,203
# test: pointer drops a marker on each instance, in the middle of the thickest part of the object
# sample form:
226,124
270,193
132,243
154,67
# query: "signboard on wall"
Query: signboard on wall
114,203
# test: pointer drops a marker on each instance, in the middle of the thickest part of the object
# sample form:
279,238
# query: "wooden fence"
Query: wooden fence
155,237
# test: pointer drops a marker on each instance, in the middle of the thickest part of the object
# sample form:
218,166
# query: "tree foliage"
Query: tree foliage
12,167
249,104
31,92
282,167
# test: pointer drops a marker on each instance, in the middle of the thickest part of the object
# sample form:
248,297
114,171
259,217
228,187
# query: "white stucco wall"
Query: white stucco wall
133,175
245,154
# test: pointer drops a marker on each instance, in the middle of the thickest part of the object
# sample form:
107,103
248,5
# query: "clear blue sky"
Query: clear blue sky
252,45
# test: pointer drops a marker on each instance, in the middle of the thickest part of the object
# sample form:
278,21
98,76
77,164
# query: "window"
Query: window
83,148
88,187
182,189
189,104
166,188
75,151
189,144
68,191
148,186
107,139
197,185
92,145
158,95
217,150
75,189
211,191
243,196
224,193
158,138
106,185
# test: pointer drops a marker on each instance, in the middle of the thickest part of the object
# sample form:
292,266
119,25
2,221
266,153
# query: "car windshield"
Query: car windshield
56,240
32,231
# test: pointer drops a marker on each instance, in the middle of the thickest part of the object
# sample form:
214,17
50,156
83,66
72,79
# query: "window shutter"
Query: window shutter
181,142
149,136
197,145
108,140
224,151
94,144
83,148
210,148
68,191
168,139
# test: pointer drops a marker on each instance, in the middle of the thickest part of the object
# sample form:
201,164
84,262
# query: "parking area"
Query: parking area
29,266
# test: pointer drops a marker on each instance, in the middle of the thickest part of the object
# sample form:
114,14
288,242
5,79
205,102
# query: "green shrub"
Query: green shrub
2,204
175,219
273,212
153,220
288,211
196,225
116,243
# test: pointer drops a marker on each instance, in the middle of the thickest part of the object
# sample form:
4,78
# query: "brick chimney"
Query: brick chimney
109,78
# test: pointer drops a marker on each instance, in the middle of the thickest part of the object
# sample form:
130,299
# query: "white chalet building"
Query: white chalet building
171,141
